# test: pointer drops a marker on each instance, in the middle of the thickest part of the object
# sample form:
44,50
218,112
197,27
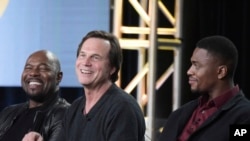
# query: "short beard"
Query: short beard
195,93
37,98
199,93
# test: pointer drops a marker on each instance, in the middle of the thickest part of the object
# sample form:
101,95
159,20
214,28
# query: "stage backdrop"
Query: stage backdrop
56,25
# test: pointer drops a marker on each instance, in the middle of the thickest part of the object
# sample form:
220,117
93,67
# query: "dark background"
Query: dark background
200,18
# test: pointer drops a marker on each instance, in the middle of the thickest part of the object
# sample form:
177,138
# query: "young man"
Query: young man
44,109
105,112
221,103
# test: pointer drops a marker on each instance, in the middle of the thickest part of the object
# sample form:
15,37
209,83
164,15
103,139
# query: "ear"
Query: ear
112,70
59,77
222,71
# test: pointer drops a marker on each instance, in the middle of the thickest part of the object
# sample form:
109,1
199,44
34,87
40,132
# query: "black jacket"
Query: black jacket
47,120
216,128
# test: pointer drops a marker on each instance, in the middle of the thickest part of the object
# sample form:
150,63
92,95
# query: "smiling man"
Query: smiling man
105,112
44,109
221,103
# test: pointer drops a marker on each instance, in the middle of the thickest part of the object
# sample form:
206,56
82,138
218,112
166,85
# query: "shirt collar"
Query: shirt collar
220,100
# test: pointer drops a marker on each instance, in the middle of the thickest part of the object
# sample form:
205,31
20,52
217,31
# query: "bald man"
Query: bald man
44,109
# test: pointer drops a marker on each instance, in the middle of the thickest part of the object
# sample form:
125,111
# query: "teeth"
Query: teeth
84,71
35,83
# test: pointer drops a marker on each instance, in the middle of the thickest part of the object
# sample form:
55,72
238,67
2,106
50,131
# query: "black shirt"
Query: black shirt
22,125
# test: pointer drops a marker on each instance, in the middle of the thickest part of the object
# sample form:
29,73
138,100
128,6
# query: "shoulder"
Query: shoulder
76,104
118,101
241,103
63,103
184,110
77,101
74,108
118,94
58,109
237,109
60,105
13,110
189,105
14,107
120,98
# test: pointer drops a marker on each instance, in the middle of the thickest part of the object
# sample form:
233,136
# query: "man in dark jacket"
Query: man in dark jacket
44,109
221,103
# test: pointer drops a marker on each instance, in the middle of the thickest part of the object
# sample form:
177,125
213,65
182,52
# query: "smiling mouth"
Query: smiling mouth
85,71
191,80
35,83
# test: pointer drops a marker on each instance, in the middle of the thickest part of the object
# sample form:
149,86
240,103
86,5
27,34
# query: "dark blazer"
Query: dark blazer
215,128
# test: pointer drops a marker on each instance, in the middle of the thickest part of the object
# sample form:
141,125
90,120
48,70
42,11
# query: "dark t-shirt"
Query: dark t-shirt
22,125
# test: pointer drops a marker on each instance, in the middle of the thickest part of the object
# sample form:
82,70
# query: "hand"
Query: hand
32,136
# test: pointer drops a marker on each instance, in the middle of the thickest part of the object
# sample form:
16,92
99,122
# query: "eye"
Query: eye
196,66
82,55
96,58
44,68
27,67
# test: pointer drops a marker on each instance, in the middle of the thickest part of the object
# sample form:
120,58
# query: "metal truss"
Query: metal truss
147,43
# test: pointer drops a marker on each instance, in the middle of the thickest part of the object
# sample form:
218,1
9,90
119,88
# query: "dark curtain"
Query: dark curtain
200,18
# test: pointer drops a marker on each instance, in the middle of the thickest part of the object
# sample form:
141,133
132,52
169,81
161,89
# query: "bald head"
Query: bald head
41,75
52,58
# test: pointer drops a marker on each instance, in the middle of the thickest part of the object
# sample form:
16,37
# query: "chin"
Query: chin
194,90
37,97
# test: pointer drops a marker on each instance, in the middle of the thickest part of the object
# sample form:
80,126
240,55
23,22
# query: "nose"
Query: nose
34,72
87,61
189,71
83,61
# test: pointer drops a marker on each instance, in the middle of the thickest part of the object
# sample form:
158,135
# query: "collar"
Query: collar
220,100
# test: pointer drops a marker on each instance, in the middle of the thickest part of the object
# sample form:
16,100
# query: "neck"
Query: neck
93,95
33,104
220,89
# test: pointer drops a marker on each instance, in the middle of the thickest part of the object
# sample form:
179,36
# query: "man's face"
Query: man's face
39,78
92,65
203,73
